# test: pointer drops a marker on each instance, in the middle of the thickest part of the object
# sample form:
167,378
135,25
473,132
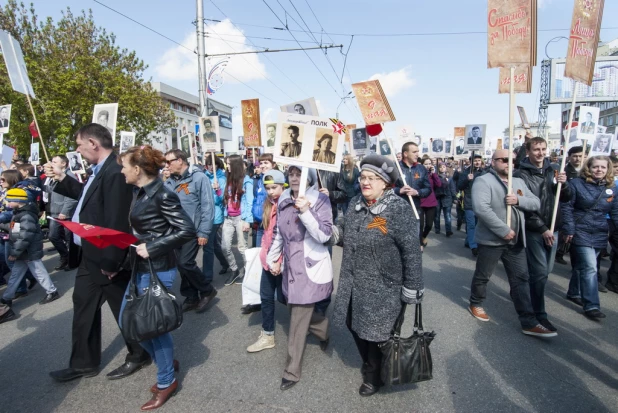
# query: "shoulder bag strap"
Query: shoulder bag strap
399,321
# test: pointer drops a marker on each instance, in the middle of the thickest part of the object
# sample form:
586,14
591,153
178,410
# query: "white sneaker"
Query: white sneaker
264,342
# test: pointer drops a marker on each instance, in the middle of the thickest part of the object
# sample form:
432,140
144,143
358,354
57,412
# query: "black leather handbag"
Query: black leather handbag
407,360
150,315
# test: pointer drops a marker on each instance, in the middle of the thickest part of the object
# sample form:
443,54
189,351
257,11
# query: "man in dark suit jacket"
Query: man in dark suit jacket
102,274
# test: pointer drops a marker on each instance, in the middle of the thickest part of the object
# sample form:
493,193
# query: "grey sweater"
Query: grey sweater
489,205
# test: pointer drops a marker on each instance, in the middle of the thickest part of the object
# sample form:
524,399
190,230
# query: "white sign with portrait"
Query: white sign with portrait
127,140
306,107
309,141
360,143
269,138
602,144
587,122
106,115
34,153
5,118
475,137
76,164
210,139
437,147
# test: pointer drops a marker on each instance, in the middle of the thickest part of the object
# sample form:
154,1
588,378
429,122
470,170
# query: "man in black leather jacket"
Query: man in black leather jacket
541,242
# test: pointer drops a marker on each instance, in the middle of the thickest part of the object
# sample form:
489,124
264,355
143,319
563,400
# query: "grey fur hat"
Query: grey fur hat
382,166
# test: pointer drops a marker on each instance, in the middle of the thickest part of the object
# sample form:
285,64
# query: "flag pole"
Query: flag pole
509,211
563,163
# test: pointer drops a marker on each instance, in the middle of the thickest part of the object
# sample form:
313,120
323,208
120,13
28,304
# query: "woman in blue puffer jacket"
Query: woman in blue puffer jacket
586,227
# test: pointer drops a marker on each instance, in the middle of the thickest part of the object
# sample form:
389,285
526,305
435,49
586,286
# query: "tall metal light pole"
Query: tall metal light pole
201,59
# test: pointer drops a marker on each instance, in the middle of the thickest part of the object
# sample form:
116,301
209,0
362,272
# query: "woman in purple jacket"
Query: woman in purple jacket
304,224
429,204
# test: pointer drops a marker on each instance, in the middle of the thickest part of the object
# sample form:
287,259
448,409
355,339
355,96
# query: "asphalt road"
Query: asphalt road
478,367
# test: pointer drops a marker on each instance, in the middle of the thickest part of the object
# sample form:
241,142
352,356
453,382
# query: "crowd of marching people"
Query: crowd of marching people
223,207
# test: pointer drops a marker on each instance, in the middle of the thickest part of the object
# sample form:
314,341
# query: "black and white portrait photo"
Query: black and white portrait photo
602,144
5,118
325,143
271,133
127,140
75,162
587,125
475,137
34,153
359,139
385,148
185,144
241,143
448,147
291,145
106,115
437,146
302,107
460,148
208,133
209,138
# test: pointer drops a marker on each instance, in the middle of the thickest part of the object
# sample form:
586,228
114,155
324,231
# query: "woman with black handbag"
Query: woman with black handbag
161,225
381,265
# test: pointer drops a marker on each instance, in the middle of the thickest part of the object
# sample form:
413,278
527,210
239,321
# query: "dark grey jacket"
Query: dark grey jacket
60,204
379,271
26,237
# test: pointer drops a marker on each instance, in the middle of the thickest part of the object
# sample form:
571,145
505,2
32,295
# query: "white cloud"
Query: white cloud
269,115
544,3
178,63
395,82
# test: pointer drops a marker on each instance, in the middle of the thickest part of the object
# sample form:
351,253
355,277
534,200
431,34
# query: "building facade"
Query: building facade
186,109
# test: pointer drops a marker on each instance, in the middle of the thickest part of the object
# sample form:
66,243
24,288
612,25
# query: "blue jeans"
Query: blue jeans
540,264
6,251
446,211
161,348
258,236
212,249
470,228
586,266
268,285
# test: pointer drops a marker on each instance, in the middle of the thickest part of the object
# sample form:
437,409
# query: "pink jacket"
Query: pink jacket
269,235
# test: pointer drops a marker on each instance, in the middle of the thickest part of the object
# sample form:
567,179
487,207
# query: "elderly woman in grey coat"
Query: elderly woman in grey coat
381,265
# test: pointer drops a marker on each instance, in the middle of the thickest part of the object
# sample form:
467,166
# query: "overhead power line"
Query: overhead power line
391,34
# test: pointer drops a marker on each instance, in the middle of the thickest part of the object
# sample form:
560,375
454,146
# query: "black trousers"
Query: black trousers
193,281
370,354
427,215
88,298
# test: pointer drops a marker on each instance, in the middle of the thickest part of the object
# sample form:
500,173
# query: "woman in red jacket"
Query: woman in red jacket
429,204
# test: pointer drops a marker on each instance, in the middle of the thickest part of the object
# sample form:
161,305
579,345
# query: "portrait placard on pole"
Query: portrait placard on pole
309,141
209,134
303,107
106,115
475,137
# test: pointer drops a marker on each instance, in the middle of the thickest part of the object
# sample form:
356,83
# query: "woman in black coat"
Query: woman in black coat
161,225
381,265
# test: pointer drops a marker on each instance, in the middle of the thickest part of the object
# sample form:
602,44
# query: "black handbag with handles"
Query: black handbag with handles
407,360
150,315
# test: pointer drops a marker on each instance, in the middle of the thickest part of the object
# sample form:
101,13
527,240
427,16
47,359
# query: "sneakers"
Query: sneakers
50,297
264,342
545,323
478,313
224,270
235,274
449,233
594,314
538,331
560,260
240,279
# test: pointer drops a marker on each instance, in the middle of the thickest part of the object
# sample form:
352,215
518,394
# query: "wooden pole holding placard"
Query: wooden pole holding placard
214,167
403,177
563,163
509,211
